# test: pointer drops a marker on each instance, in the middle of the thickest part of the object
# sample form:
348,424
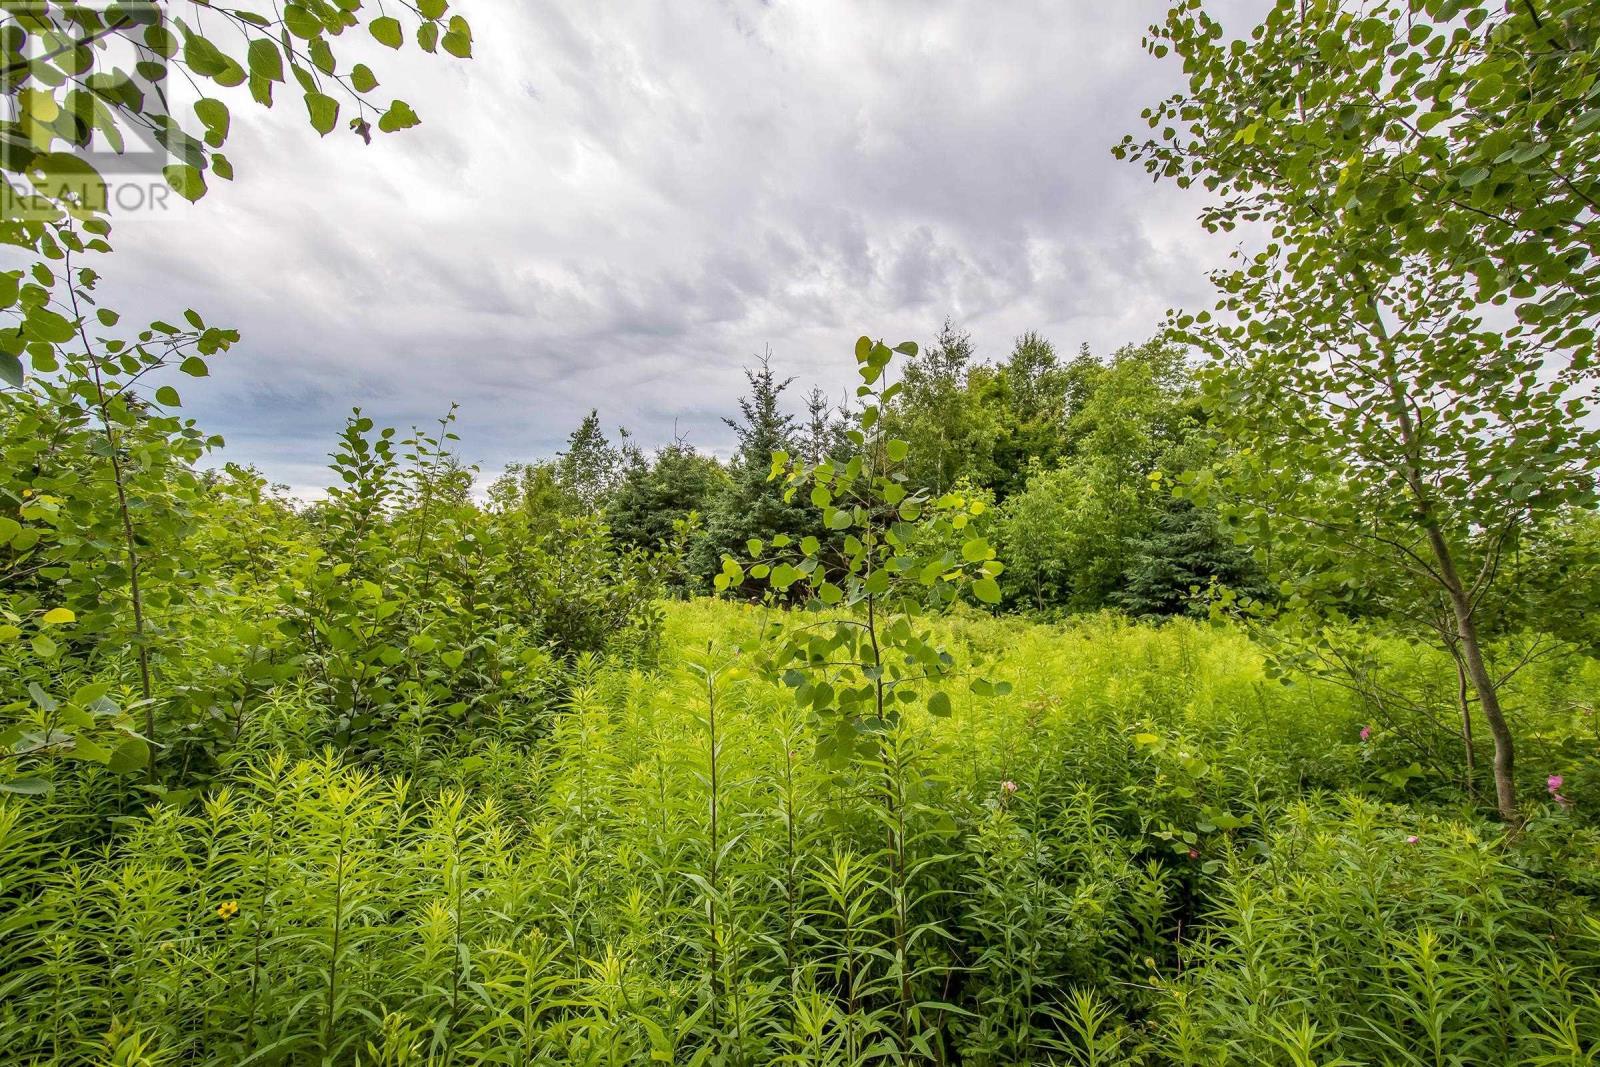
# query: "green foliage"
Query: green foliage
77,75
590,467
1131,858
753,507
1101,529
1187,554
403,777
1404,359
656,495
867,656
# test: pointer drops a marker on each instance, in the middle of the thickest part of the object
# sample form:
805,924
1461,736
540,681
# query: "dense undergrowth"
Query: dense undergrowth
1146,852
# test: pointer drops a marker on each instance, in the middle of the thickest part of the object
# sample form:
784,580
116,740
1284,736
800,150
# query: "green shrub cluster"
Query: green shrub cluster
1145,853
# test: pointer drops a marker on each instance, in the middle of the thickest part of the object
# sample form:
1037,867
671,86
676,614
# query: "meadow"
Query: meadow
1227,695
1147,852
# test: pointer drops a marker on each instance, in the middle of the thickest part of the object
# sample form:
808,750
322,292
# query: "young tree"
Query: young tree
752,506
950,430
1187,553
591,466
1406,359
654,497
536,490
823,434
865,658
1030,390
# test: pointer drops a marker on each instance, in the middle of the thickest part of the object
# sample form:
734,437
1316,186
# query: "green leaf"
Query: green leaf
301,22
11,370
398,117
362,79
432,9
195,367
167,396
28,787
324,112
214,114
939,704
898,450
188,181
130,757
458,39
89,750
46,325
265,60
59,617
322,56
986,590
387,30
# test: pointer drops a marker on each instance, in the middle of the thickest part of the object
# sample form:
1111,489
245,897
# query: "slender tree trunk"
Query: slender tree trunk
1463,702
130,543
1505,787
1448,576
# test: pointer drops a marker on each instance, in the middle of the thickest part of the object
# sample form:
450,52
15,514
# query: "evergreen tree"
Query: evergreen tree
653,497
1181,557
751,505
824,432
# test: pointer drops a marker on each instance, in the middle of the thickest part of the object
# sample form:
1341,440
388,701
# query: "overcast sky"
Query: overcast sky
620,205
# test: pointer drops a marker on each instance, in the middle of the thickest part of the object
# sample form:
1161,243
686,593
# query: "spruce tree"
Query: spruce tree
752,506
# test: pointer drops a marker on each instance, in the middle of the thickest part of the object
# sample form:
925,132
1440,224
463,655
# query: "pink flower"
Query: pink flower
1194,853
1411,840
1366,732
1554,783
1008,787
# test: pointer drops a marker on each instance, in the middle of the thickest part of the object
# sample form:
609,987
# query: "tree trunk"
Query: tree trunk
1505,787
1463,702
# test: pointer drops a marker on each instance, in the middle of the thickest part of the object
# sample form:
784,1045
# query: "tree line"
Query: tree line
1072,463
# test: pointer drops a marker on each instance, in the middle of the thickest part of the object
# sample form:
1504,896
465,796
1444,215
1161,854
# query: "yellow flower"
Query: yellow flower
227,909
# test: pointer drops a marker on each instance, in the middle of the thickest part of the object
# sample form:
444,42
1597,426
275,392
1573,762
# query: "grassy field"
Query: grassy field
1145,853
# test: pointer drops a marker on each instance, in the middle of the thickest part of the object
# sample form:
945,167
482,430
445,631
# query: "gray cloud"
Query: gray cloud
617,205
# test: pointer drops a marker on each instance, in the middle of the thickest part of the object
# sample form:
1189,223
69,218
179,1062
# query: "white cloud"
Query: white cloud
616,205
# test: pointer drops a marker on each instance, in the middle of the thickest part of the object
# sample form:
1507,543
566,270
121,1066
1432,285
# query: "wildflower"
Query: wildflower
1554,783
1008,787
1194,853
227,909
1411,840
1366,733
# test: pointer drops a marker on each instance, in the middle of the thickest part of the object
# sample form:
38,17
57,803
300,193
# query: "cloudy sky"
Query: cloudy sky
620,205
